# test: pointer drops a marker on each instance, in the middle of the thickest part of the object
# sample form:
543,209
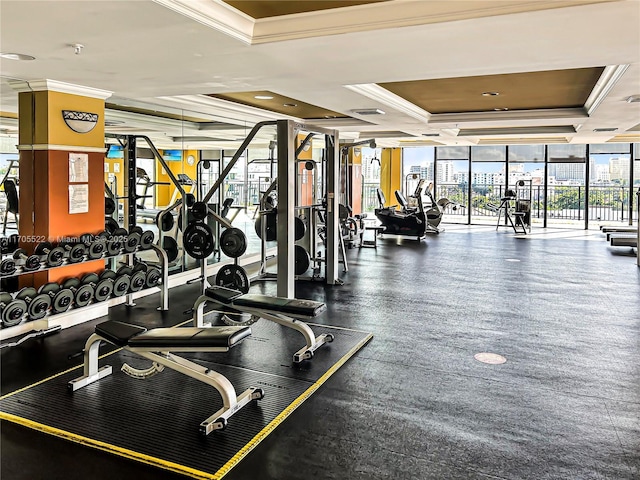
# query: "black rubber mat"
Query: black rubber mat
156,420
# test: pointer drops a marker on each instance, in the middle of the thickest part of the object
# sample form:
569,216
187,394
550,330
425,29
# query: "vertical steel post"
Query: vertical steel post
285,209
333,191
546,185
631,176
587,176
130,183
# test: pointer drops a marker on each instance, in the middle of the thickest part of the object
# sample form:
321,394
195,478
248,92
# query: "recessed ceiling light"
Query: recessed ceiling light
490,94
329,116
501,109
369,111
16,56
263,97
605,129
289,105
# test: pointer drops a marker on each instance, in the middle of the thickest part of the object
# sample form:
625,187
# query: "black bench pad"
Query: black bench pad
307,308
123,334
222,294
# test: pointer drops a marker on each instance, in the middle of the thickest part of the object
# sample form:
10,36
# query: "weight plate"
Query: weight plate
199,210
190,219
90,278
109,205
77,253
233,242
138,281
198,240
97,248
103,289
234,277
55,257
191,199
132,242
6,298
114,245
84,295
62,301
8,266
13,313
303,261
140,266
39,306
124,270
120,232
32,263
108,274
50,287
300,228
170,246
71,283
110,224
166,222
26,292
146,239
87,239
137,229
121,285
271,226
154,277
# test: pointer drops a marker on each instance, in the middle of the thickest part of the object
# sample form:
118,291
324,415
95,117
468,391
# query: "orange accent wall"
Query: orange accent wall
390,172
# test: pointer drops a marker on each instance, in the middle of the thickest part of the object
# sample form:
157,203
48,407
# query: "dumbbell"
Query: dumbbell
116,241
61,298
133,239
96,244
9,244
153,275
30,262
11,310
8,266
82,294
137,275
75,251
54,255
102,287
121,283
146,239
38,304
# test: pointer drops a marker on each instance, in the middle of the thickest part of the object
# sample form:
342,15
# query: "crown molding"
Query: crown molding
22,86
384,96
610,76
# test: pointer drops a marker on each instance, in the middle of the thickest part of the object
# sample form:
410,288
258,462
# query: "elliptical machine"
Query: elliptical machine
409,222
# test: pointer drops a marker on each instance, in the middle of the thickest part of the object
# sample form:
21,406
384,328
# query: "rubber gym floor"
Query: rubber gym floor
561,306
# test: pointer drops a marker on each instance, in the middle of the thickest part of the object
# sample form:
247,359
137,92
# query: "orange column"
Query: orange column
355,180
390,173
61,144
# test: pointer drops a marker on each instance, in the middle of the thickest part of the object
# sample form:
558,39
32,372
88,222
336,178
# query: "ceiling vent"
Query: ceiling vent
430,134
605,129
369,111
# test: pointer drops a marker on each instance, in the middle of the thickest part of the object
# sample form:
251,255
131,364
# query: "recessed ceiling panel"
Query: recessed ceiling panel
267,8
280,104
514,91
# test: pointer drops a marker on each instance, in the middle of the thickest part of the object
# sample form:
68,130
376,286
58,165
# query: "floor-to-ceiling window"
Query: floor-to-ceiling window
527,163
566,184
451,179
488,174
609,182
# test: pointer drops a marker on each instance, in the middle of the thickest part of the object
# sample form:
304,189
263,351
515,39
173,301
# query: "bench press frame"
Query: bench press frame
218,421
289,320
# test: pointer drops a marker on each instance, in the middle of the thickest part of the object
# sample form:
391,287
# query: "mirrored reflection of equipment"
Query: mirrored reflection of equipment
408,221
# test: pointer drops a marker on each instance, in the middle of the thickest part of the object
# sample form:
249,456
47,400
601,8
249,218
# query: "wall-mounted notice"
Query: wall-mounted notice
78,199
78,167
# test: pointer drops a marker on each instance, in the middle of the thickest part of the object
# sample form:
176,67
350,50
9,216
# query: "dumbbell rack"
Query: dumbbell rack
79,315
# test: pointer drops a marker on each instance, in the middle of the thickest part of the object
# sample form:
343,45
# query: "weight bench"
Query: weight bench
284,311
156,345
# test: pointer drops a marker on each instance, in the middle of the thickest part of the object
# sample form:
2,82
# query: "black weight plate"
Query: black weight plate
55,257
154,277
121,285
114,245
138,281
62,301
132,242
77,253
120,232
191,199
26,292
109,205
6,298
167,221
190,219
198,240
90,278
170,246
87,239
300,228
13,313
124,270
108,274
71,283
84,295
303,261
32,263
39,306
233,242
43,248
146,239
50,287
199,210
110,224
140,266
137,229
271,226
234,277
8,266
97,248
103,289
